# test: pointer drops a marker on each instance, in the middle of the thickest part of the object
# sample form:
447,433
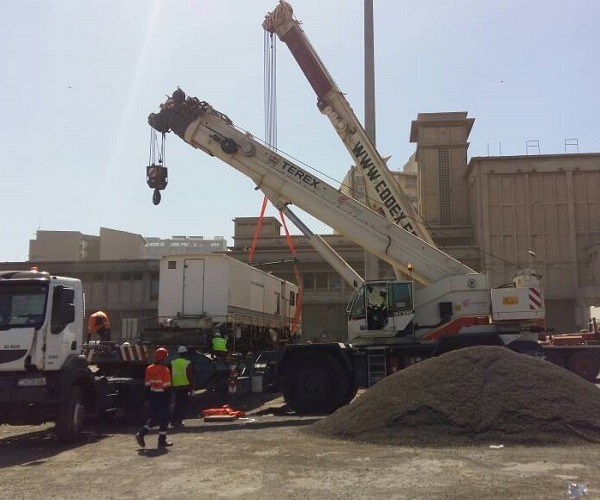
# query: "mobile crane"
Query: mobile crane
579,352
391,324
383,191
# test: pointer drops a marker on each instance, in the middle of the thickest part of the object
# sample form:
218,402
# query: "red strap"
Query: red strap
290,242
258,226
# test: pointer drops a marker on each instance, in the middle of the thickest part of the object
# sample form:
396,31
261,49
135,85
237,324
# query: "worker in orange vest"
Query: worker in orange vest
158,395
99,323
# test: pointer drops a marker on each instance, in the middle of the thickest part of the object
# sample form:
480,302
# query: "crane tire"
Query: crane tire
315,383
586,364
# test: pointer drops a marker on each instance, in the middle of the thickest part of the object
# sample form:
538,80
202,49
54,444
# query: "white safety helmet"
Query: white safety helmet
182,349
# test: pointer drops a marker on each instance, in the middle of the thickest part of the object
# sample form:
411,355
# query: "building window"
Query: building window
444,186
172,264
321,281
292,298
308,281
335,282
154,286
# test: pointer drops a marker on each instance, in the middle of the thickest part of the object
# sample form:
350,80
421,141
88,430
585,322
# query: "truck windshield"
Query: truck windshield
22,305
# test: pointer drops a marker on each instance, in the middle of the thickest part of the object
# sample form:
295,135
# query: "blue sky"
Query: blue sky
80,78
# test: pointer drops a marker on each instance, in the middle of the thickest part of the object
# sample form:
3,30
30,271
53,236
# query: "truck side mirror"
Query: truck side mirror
63,309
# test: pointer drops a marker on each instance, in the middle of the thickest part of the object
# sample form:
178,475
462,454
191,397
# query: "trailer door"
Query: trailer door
193,287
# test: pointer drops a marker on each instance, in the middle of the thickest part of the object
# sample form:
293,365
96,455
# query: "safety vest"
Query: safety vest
158,378
219,344
179,375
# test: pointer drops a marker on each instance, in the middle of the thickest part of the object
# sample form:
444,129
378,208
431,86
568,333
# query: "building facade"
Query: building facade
111,244
543,212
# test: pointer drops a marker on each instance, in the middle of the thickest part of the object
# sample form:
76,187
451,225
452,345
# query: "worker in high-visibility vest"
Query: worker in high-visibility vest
219,345
182,377
99,323
158,395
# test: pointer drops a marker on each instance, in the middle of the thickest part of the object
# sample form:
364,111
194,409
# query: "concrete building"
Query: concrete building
111,244
63,245
157,247
548,205
441,158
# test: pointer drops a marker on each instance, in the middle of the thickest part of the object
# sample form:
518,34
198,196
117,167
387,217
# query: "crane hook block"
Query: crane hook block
157,176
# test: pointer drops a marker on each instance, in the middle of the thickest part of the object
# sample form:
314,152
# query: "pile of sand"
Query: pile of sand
474,395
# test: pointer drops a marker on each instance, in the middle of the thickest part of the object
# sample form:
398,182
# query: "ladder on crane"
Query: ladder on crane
376,364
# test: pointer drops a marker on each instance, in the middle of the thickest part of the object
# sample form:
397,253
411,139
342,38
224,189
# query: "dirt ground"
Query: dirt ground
268,455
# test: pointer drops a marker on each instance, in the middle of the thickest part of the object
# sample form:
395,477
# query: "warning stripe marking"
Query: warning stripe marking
133,353
535,298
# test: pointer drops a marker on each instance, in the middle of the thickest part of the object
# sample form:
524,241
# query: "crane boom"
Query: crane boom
284,183
383,190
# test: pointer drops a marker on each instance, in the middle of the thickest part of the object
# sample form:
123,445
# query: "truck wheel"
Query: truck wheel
70,417
315,383
554,358
586,364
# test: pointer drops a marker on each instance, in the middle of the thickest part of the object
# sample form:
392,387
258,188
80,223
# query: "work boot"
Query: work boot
163,443
139,437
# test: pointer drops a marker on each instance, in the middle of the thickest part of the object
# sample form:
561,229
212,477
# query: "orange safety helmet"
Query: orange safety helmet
160,354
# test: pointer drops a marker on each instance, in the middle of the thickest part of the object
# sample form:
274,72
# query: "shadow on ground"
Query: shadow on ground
34,448
262,411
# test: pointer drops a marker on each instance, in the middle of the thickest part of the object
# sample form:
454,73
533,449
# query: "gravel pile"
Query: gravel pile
476,395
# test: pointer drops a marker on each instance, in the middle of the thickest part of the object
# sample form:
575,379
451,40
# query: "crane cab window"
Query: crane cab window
401,299
377,305
357,310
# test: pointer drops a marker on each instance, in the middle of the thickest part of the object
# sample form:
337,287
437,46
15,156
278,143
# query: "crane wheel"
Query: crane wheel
315,383
586,364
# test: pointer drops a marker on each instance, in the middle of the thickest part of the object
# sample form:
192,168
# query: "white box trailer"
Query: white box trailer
209,291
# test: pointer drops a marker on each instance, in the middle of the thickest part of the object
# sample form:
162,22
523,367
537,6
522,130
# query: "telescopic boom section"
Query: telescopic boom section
383,190
285,183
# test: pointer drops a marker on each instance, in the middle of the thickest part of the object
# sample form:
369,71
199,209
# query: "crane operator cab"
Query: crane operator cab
380,309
